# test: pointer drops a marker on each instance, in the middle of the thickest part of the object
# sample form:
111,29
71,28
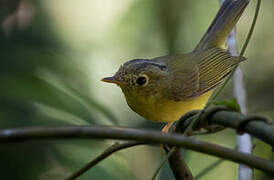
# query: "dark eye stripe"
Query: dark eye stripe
162,67
145,63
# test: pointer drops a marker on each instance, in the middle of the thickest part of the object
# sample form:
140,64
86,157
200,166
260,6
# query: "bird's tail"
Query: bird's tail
223,23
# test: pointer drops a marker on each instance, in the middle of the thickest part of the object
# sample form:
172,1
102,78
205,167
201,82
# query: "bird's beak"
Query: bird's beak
111,80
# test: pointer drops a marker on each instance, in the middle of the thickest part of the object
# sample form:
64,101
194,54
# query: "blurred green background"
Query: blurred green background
53,54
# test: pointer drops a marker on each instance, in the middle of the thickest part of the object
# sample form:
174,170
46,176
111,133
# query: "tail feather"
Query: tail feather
227,17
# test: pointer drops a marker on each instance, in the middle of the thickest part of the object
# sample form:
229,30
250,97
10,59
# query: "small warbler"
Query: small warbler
164,88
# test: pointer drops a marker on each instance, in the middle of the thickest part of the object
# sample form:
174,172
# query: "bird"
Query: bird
163,89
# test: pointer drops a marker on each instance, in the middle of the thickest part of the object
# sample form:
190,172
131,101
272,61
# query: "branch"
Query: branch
165,159
112,149
146,136
256,126
178,166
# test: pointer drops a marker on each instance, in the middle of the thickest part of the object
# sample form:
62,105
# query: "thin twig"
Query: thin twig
250,32
146,136
177,164
163,163
112,149
244,141
209,168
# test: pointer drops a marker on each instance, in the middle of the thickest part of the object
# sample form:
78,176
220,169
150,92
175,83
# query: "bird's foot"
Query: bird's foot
165,131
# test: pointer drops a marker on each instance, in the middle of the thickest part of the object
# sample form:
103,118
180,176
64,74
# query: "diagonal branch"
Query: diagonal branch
179,168
109,151
209,168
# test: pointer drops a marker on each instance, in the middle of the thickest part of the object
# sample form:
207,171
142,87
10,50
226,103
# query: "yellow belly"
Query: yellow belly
166,110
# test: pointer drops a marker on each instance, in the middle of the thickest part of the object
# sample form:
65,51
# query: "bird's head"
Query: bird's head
140,78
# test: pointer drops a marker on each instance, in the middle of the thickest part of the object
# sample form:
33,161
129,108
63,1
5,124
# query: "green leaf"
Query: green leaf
231,103
90,103
28,90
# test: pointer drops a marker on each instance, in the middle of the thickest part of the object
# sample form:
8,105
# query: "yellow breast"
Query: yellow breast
165,110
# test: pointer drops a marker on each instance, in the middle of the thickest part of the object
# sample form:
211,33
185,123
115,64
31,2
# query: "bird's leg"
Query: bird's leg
165,131
167,126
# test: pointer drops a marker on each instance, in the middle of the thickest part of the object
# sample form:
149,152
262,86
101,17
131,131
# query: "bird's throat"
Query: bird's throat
165,110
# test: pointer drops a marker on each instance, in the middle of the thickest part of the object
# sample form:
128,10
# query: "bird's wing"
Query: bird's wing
184,78
195,74
214,65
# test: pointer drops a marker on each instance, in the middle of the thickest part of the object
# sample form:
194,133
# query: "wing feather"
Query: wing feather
195,74
214,68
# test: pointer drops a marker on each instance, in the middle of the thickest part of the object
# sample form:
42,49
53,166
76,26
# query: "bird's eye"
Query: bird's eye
142,80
